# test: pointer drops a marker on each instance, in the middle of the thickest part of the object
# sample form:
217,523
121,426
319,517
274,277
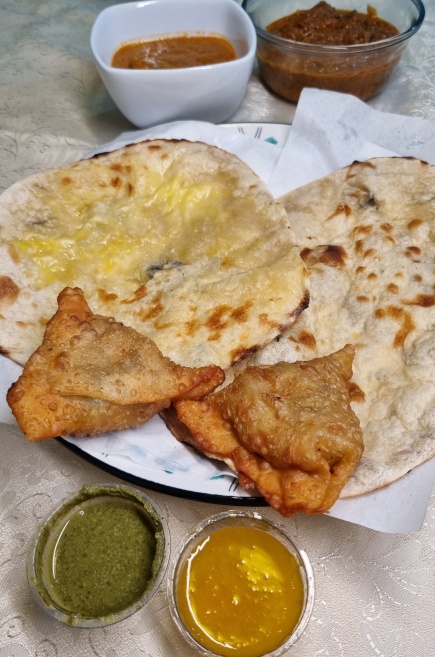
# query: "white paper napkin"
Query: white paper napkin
331,130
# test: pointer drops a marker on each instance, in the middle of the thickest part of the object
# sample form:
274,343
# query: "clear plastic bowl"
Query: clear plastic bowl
41,560
235,519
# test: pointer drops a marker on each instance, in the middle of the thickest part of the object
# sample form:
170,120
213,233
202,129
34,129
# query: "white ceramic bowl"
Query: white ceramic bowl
147,97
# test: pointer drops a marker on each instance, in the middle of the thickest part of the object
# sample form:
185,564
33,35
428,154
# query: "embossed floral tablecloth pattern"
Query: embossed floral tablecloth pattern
375,592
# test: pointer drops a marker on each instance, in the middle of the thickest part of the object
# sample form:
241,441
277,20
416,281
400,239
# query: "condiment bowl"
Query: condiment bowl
288,66
239,586
150,96
99,556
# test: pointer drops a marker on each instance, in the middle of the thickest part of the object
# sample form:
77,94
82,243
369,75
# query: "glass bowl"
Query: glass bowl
239,585
99,556
288,66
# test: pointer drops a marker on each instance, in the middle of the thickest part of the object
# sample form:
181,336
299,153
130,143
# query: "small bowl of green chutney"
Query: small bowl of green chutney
100,556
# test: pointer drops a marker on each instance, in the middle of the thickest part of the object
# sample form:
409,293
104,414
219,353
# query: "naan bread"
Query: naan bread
286,428
367,236
180,241
92,374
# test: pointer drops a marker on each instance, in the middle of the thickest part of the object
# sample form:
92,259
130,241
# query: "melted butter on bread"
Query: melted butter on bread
161,235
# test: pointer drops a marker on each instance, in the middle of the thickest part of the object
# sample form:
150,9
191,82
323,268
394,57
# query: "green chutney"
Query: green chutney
101,554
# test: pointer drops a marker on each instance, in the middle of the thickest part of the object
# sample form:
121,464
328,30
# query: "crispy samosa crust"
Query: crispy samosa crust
288,428
92,374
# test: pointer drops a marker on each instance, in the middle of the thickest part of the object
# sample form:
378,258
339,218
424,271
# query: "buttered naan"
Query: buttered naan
287,429
180,241
92,374
367,235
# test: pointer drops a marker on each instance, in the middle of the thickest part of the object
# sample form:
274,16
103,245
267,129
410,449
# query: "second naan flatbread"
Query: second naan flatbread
367,235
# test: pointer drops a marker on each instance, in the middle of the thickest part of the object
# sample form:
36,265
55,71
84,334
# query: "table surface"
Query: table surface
374,591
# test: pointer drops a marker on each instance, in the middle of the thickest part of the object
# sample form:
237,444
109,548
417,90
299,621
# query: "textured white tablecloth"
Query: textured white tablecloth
375,592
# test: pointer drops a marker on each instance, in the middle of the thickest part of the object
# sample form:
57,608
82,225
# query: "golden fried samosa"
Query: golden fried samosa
288,428
92,375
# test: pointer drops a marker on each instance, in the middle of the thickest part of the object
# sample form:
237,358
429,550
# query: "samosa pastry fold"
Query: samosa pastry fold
289,428
92,374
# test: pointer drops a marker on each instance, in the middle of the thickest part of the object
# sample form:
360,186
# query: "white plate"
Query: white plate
152,457
273,133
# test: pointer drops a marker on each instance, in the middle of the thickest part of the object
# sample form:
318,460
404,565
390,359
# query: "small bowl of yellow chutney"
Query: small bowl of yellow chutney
240,587
99,557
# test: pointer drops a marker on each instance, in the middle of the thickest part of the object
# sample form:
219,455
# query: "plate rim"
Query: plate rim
182,493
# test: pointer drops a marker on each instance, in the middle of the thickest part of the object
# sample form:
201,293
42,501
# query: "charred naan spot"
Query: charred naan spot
263,319
13,253
218,319
9,291
362,230
304,303
116,166
356,165
400,316
129,189
360,270
140,293
359,246
412,251
242,352
399,274
355,392
66,180
331,255
307,339
43,321
192,326
418,278
116,182
414,224
422,300
22,324
240,314
372,276
387,228
393,288
363,298
153,310
106,296
369,253
342,208
222,316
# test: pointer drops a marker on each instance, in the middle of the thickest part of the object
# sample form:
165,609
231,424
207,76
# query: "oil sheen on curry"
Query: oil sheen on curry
184,51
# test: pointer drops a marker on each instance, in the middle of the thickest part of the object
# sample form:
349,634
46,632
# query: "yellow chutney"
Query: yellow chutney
240,592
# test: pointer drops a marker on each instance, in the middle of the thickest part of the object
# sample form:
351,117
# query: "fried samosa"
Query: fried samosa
92,374
286,428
